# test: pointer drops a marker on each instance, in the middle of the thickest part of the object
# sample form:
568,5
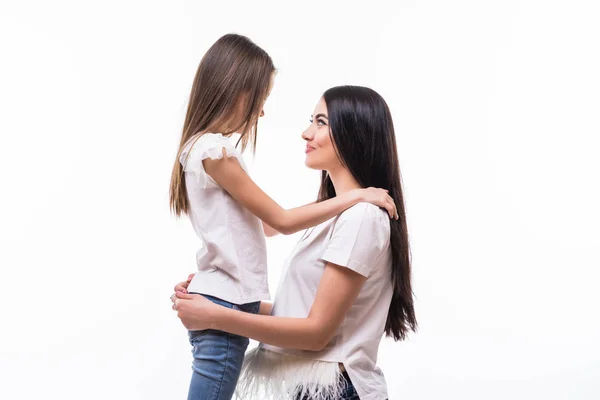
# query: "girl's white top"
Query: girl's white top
232,263
358,239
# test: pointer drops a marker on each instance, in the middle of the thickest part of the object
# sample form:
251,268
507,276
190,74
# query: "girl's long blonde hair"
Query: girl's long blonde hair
230,87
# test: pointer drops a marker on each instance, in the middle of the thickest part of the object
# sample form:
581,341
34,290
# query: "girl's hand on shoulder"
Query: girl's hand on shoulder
195,312
380,198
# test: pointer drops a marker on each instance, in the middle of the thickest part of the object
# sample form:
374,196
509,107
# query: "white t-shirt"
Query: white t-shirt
358,239
232,264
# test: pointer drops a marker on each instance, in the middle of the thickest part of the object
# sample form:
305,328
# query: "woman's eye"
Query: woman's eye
321,122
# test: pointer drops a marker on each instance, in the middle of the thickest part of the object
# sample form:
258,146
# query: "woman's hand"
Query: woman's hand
380,198
182,286
195,312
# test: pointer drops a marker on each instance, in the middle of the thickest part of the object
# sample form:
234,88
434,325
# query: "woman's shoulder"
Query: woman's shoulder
367,212
371,220
360,235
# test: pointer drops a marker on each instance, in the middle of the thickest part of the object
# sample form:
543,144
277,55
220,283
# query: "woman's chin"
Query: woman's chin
310,164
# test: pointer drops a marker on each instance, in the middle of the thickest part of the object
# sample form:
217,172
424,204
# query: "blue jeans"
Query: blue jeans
218,358
349,392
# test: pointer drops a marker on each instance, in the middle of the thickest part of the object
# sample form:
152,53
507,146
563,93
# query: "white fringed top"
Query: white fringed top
358,239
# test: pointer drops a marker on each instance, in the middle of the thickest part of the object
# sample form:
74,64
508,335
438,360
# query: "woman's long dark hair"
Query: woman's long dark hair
363,134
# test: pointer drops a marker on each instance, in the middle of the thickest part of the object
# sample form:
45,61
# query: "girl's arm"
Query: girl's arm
269,231
337,291
228,173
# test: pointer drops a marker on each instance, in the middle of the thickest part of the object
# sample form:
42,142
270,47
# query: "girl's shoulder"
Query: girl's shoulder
207,140
202,147
209,145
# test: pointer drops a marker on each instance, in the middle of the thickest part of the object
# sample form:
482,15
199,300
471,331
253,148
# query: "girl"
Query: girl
210,185
346,283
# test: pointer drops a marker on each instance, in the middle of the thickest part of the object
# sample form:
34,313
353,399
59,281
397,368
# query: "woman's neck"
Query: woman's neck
342,180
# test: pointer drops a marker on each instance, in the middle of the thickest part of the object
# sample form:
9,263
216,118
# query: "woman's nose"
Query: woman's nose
307,134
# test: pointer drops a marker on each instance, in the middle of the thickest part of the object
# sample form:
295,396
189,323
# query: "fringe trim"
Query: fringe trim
270,375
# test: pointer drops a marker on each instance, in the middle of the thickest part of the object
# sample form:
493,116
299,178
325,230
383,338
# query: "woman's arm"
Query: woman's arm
228,173
337,290
265,308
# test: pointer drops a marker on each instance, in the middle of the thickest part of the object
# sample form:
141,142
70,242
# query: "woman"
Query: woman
347,281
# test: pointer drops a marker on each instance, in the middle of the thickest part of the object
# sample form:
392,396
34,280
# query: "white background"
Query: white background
496,109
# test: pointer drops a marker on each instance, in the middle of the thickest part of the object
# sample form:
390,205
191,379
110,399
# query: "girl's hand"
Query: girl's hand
195,312
380,198
182,286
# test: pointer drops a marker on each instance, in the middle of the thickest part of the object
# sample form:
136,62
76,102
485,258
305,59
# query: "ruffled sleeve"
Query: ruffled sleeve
209,145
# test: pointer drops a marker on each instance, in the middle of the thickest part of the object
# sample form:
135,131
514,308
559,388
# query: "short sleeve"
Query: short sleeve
209,145
360,235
